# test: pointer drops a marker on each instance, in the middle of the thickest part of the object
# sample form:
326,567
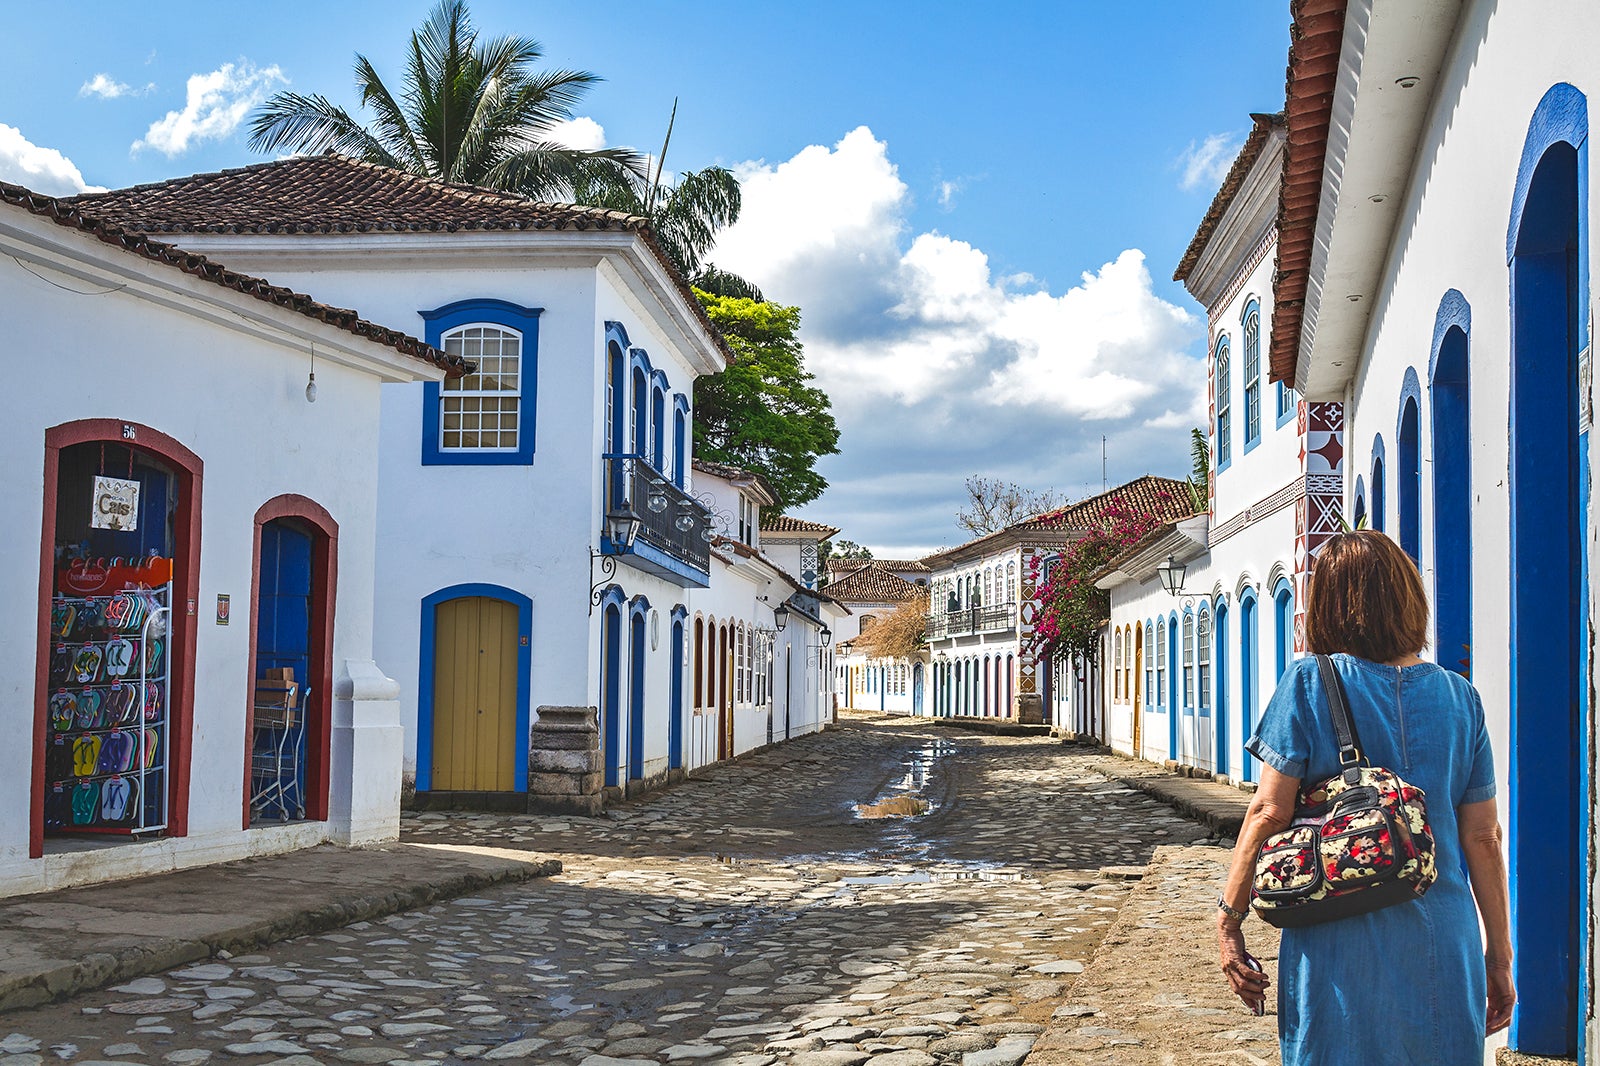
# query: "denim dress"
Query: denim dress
1405,984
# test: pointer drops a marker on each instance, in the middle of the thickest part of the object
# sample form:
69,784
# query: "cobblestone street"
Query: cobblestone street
747,917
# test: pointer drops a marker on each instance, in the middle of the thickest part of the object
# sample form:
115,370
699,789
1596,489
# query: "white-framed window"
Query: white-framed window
1011,582
1188,660
1161,662
1116,682
1252,375
1202,637
1149,664
1224,402
482,411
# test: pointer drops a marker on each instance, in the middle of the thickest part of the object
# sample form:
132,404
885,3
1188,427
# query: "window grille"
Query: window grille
482,410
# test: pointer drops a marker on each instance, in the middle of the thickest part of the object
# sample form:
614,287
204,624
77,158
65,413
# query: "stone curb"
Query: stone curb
1223,815
92,970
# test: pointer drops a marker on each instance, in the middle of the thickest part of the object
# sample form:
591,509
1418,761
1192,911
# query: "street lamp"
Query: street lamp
780,617
827,636
622,527
1171,573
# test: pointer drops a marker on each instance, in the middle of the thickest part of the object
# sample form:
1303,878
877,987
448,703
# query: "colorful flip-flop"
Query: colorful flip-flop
86,664
63,711
120,657
61,658
116,797
154,698
91,709
62,618
57,807
86,755
152,741
122,704
85,802
154,649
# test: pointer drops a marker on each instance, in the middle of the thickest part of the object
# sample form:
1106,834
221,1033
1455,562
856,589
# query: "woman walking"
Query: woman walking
1412,983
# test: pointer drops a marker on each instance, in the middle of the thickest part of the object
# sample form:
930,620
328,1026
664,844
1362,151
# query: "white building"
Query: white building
1435,279
195,683
1189,676
510,573
869,681
762,640
985,599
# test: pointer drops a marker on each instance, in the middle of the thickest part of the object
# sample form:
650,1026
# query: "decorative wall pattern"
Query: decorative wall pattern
1319,513
1028,608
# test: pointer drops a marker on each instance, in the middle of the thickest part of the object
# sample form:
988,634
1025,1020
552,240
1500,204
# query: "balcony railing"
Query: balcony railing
671,520
967,621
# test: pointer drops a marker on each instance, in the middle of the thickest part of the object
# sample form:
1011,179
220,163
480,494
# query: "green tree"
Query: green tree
470,110
763,413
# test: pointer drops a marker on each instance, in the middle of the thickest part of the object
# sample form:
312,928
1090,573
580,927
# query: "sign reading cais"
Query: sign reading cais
116,504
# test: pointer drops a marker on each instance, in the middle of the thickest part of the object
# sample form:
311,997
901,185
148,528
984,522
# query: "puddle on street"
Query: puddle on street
893,807
928,877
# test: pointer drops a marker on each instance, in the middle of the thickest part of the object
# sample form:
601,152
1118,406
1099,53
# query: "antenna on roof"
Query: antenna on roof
1104,484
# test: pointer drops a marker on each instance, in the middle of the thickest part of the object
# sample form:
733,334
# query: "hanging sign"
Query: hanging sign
116,504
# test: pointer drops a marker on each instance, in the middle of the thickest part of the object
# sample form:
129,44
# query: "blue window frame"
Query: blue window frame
1283,616
1377,501
680,439
1252,375
489,417
1224,404
1286,404
1202,655
1408,467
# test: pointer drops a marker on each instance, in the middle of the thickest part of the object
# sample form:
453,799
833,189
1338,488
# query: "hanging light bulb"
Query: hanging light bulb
311,382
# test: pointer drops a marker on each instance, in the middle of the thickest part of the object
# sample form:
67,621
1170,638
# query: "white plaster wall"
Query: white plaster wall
1275,461
1456,214
1254,557
238,402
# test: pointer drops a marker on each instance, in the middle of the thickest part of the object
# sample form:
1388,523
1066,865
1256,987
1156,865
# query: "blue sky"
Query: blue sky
978,207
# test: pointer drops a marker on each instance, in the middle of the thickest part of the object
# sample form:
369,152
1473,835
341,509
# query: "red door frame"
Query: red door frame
186,591
324,584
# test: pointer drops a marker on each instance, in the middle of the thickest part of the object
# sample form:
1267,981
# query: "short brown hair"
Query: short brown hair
1366,598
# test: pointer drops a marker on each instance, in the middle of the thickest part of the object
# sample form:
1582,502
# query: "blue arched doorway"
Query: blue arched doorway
1247,675
611,686
638,618
916,689
1408,469
1219,637
675,724
1450,404
1548,838
1283,628
1174,672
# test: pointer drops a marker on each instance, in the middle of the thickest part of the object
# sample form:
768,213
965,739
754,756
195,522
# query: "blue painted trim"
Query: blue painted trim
1562,115
1219,675
525,320
653,560
680,631
1358,509
1223,377
1254,378
613,596
638,637
1251,443
1378,502
681,444
1201,708
640,604
1192,646
425,675
1408,467
1174,665
1454,313
1288,414
1283,632
1249,675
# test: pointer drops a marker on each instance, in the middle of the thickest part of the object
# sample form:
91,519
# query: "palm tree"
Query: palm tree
470,111
685,215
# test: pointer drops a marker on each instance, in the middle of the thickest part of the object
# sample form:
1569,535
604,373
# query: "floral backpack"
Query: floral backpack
1359,841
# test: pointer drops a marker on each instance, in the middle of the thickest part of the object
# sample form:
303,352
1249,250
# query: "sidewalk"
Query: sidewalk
1220,808
55,944
1153,993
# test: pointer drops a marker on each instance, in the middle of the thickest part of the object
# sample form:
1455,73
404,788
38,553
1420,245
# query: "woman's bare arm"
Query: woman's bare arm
1479,826
1271,810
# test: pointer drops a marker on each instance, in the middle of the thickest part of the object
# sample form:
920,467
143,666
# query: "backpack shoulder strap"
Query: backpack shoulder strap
1344,726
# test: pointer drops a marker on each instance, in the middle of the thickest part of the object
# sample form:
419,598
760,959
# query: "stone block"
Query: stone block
564,741
1030,709
567,720
563,762
563,784
586,805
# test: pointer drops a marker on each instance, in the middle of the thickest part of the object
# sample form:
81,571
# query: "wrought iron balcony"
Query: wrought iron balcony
674,528
966,621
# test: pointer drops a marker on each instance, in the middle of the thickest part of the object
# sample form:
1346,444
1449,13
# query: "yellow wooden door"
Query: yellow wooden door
475,695
1138,693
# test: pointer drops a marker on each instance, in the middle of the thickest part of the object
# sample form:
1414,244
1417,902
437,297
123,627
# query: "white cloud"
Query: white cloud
582,133
215,105
945,192
41,169
940,367
108,88
1206,162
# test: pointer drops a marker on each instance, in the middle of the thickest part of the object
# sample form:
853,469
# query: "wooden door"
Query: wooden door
475,695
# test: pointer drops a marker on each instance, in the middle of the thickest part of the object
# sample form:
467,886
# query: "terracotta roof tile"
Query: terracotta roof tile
67,212
735,474
1230,188
782,523
898,566
332,194
1316,37
873,583
1164,497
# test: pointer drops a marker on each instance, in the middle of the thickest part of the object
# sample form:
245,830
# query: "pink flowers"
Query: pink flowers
1072,610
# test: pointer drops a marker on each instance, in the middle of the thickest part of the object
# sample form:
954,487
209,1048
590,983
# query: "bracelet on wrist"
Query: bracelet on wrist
1229,912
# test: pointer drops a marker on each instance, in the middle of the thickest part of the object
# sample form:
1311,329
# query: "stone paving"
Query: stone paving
746,917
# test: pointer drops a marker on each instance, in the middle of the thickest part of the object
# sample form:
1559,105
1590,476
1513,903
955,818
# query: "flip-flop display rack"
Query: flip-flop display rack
110,678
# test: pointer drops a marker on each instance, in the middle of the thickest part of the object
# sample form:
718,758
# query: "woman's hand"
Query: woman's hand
1248,983
1502,995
